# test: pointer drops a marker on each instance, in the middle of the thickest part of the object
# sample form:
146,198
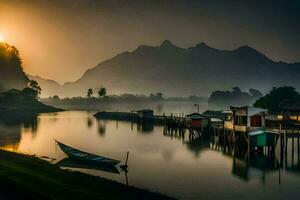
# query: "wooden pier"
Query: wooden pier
172,123
233,133
229,136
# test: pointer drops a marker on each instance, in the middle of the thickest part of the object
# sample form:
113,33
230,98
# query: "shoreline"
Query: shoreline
24,176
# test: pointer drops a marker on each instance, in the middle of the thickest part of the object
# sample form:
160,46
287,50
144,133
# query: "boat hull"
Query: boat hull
71,163
85,157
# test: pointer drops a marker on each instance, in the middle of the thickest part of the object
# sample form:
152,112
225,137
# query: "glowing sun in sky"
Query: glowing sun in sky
1,38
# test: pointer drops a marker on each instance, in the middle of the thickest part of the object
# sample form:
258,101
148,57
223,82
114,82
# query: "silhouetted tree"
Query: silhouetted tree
236,90
102,92
35,86
273,99
90,93
223,99
29,92
56,97
159,95
10,55
11,71
255,93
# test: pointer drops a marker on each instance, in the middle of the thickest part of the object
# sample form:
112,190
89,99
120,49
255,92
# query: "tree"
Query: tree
102,92
12,74
56,97
236,97
276,97
159,95
90,93
35,86
29,92
236,90
255,93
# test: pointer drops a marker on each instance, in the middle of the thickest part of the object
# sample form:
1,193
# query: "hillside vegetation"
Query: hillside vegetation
11,71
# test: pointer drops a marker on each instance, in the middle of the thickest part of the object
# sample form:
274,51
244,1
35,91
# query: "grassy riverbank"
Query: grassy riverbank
24,177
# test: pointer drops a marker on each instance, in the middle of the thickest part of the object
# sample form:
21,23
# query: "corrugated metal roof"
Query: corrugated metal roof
261,131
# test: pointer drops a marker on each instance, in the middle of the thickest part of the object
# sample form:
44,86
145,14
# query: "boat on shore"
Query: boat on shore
70,163
86,157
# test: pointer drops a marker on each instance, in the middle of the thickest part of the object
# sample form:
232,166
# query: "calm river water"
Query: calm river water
158,161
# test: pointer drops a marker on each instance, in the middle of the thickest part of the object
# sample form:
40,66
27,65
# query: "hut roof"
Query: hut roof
145,110
196,116
250,110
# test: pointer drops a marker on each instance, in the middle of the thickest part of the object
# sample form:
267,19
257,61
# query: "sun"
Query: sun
1,38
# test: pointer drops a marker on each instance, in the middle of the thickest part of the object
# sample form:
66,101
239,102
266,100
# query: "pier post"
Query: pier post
248,150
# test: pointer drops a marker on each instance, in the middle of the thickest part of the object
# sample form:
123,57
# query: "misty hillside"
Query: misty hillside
176,71
49,87
11,71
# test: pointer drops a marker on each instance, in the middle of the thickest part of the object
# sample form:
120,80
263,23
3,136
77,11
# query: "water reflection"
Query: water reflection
145,127
169,161
68,163
90,121
256,166
197,145
101,127
141,127
290,157
11,128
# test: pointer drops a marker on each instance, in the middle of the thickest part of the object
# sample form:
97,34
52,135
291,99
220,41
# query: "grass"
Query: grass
24,177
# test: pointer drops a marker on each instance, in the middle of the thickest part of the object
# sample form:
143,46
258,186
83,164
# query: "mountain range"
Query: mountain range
176,71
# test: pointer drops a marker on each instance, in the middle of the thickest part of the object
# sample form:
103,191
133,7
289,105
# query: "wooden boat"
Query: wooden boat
71,163
86,157
263,138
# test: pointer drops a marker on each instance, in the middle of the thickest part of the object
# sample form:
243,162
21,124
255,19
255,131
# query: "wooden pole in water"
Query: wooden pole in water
125,166
234,125
298,150
248,151
293,149
127,158
285,139
126,178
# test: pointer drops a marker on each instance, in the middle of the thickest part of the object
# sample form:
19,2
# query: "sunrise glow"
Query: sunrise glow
145,99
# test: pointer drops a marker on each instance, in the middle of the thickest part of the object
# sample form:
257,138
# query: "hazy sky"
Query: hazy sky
61,39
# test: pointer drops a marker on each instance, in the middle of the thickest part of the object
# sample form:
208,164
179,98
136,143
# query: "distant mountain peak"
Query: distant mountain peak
249,51
196,70
167,44
203,49
202,44
246,49
39,78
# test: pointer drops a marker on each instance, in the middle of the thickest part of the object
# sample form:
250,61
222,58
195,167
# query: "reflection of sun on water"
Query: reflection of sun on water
10,147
